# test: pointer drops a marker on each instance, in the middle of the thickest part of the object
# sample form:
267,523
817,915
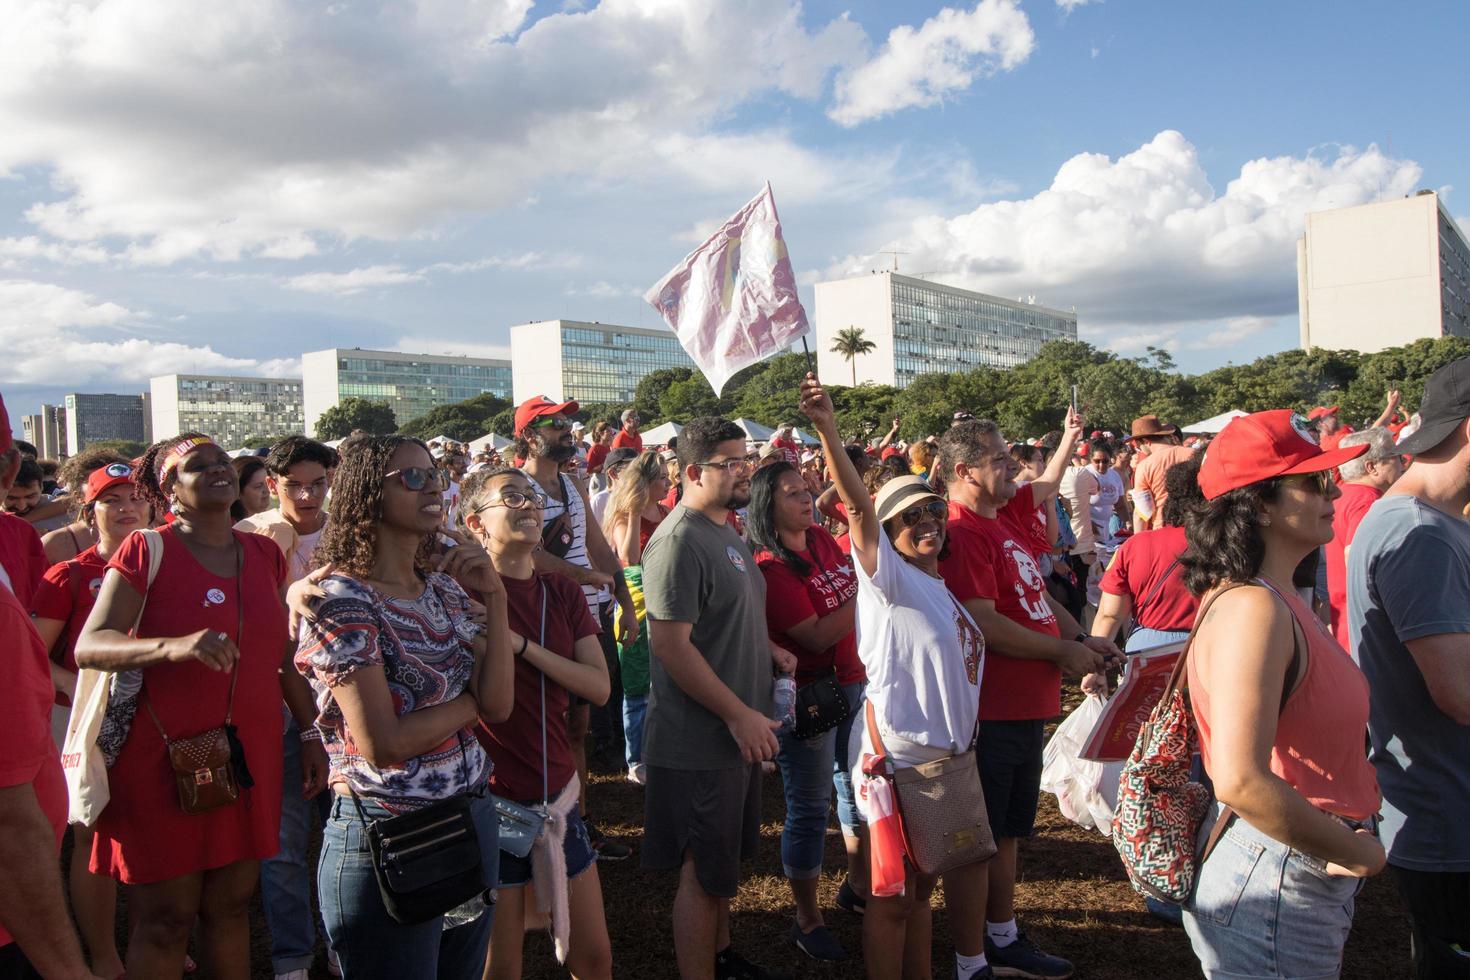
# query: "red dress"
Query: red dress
143,836
67,593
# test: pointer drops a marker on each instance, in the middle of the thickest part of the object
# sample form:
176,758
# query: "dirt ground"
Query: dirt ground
1072,896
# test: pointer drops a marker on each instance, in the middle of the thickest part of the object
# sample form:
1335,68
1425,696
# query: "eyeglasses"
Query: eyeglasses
551,422
936,509
730,465
1320,483
517,500
415,478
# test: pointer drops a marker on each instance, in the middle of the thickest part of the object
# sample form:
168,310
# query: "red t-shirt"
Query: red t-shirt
627,440
514,745
1348,512
30,755
789,449
991,559
23,557
67,593
1136,570
647,527
792,598
143,836
596,456
1029,520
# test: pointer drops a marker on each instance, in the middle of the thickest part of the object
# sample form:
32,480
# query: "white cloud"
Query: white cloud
175,130
16,251
456,346
921,66
1070,5
524,260
55,335
603,289
1145,239
354,281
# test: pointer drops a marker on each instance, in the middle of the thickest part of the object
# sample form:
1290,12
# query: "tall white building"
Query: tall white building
922,327
1382,275
236,412
411,384
588,362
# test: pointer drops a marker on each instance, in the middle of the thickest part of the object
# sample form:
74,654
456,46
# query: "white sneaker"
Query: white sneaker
294,975
638,774
334,965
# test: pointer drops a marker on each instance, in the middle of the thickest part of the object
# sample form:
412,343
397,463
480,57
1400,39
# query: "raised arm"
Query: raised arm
1045,486
862,518
1390,408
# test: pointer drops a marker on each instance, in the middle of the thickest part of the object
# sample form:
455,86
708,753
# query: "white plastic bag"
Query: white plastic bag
1078,783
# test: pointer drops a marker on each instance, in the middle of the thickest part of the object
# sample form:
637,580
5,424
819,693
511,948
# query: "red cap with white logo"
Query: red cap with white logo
1259,447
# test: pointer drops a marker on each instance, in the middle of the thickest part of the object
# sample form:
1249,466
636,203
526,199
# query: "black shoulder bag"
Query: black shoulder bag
820,704
427,861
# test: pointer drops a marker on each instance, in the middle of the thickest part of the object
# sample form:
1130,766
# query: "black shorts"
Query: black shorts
1009,756
713,814
1438,903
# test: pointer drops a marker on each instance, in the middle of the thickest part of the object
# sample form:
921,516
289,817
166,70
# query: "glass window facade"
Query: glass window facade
937,329
92,418
238,410
1454,279
413,387
606,364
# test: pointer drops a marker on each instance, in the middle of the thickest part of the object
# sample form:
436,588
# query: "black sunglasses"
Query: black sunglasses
415,478
551,422
936,509
1320,482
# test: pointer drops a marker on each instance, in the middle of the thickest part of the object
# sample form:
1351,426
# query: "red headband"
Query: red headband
177,452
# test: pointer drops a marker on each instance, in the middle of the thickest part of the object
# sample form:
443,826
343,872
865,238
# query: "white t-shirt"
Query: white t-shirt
923,653
299,560
1078,485
599,506
1105,499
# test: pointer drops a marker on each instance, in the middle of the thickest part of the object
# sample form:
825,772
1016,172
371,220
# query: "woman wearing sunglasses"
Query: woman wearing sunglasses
111,509
923,656
1281,709
205,666
402,675
810,588
557,653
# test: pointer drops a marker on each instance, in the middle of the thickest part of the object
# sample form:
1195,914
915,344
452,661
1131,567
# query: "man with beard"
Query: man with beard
707,729
574,546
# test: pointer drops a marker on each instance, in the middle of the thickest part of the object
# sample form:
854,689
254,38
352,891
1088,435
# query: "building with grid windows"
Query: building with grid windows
922,327
411,384
236,412
1382,275
91,418
588,362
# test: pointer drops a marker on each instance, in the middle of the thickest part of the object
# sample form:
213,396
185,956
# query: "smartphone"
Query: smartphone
1074,399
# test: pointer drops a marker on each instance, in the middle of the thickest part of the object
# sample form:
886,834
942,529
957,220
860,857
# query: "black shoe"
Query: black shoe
1022,958
730,965
819,944
849,899
607,850
986,973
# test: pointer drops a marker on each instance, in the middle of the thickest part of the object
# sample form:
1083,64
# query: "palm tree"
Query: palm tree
851,344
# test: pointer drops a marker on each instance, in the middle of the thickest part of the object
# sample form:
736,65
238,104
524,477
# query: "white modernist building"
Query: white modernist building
588,362
1382,275
236,412
411,384
921,327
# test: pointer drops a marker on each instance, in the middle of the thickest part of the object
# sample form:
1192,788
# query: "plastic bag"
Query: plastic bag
885,835
1081,786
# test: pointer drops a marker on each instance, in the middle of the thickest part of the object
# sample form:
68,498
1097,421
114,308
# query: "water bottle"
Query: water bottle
783,703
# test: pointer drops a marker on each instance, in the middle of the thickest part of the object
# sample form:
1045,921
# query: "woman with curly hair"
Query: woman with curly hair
402,674
1281,709
72,539
205,665
634,512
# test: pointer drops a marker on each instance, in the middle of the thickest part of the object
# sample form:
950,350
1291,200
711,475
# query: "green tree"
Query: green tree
123,447
651,388
502,423
610,412
1404,368
851,343
690,398
352,412
461,421
768,392
865,411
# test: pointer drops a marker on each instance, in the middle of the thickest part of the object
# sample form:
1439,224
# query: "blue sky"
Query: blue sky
218,188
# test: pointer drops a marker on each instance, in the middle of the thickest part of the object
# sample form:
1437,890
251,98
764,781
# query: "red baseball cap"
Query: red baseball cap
104,478
534,408
1265,445
1321,413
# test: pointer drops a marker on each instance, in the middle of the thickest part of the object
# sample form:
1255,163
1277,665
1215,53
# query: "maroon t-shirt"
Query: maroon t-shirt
1144,571
792,598
515,744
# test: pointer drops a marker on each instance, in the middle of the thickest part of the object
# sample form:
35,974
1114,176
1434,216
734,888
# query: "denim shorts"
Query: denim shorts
1263,909
576,846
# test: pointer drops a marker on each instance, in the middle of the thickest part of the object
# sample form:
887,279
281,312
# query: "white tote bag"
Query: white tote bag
81,760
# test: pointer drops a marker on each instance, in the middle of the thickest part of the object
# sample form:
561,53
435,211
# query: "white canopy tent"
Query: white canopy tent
806,439
754,431
490,441
660,435
1215,423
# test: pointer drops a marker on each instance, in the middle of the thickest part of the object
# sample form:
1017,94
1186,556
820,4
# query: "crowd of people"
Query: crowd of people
408,651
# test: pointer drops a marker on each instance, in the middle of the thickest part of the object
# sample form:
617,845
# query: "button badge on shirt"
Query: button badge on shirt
214,597
736,559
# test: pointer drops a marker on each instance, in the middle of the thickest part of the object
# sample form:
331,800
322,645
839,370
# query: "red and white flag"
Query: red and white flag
733,300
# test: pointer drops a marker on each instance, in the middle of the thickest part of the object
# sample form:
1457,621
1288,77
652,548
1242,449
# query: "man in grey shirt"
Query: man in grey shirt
1408,610
707,729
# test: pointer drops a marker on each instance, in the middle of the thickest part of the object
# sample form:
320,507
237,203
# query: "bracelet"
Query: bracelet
1083,637
525,643
311,733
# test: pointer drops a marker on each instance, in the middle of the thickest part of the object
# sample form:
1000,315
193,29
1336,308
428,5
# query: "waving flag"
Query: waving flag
732,300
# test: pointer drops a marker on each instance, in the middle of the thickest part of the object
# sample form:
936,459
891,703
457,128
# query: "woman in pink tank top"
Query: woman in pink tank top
1281,711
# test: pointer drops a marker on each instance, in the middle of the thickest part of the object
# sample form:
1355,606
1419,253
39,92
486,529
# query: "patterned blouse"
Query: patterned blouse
425,648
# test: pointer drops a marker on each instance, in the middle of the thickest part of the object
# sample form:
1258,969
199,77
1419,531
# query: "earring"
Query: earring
1264,521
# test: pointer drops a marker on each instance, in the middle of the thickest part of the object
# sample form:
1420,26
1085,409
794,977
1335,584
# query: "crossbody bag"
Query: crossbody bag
820,704
520,825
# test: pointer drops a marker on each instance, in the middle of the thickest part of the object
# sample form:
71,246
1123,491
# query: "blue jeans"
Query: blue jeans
1263,909
847,811
285,880
1142,638
370,944
635,709
806,774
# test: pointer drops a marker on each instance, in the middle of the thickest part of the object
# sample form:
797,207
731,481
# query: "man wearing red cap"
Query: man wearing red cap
1331,429
36,934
